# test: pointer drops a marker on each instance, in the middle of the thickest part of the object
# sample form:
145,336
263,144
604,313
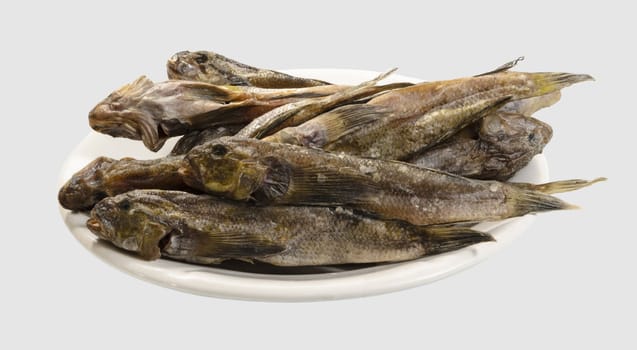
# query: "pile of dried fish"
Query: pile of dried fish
292,171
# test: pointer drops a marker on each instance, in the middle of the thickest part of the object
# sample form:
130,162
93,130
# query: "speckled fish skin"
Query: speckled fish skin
207,230
270,173
494,149
213,68
404,122
106,177
153,112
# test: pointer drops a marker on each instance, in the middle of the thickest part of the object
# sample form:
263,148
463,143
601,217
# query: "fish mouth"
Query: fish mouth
134,125
84,189
95,226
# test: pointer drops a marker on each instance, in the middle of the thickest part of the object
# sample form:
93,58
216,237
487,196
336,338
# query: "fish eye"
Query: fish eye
219,150
124,205
201,59
531,137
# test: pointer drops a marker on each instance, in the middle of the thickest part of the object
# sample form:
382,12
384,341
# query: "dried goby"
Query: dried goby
213,68
404,122
495,148
274,173
106,177
207,230
153,112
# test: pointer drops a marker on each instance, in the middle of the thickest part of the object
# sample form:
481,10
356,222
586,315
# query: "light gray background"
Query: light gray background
568,282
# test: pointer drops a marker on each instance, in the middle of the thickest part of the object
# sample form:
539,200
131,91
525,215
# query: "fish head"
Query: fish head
86,187
120,115
186,65
130,223
515,133
226,166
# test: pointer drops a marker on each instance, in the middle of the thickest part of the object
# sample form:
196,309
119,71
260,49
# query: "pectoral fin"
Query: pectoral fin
221,245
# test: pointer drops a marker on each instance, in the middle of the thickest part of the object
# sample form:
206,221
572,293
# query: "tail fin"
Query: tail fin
550,82
528,201
441,239
558,186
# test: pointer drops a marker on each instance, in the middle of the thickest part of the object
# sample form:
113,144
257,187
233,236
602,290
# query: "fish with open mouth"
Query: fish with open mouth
281,174
207,230
213,68
404,122
153,112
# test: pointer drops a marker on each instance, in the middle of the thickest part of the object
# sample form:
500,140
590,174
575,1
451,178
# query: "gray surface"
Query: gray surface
568,282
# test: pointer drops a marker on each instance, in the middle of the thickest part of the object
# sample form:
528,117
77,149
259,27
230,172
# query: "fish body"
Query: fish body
495,148
153,112
271,174
208,230
213,68
404,122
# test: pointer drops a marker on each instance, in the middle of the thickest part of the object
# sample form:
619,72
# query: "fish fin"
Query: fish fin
441,239
383,89
326,186
314,185
336,124
528,201
558,186
223,245
503,68
550,82
275,182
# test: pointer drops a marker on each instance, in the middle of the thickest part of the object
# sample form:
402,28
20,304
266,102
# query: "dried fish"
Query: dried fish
213,68
271,173
206,230
494,149
404,122
153,112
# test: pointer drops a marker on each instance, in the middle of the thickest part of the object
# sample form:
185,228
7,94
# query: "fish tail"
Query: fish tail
550,82
529,201
558,186
441,239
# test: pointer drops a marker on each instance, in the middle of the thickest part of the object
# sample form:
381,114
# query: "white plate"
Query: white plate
226,283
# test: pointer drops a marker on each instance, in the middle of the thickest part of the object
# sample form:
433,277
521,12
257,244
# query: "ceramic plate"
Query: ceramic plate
261,282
